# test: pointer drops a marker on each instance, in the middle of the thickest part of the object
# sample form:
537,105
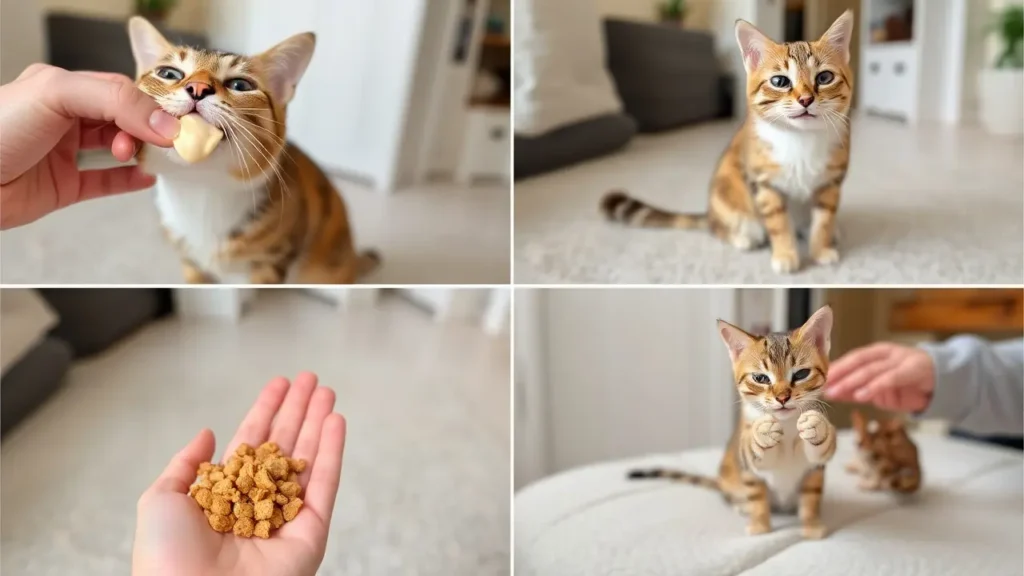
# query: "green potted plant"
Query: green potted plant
672,11
154,10
1002,87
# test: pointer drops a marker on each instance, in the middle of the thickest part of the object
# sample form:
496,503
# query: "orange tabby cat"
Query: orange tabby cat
257,209
782,171
775,460
886,456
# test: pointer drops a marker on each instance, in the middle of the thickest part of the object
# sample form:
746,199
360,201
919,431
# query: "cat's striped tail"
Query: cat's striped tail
674,476
617,206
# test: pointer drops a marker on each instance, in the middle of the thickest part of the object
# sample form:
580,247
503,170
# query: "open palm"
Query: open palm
173,536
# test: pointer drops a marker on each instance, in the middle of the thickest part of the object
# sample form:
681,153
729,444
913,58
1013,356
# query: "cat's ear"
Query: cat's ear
736,340
753,44
286,63
838,35
859,424
818,330
148,44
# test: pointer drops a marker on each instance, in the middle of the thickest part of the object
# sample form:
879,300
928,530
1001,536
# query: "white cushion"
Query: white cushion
560,74
593,521
25,319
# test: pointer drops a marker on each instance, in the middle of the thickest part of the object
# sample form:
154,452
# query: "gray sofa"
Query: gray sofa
665,76
91,321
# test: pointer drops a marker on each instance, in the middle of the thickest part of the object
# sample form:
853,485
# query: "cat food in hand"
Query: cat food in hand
197,138
257,491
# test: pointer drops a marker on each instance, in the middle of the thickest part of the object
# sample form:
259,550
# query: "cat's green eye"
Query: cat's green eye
780,81
824,77
801,375
169,73
239,85
761,378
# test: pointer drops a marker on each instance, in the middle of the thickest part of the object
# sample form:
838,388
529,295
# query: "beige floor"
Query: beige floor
436,234
920,206
425,487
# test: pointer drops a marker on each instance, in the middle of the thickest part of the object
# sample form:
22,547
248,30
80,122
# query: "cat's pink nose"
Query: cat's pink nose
782,398
198,90
806,100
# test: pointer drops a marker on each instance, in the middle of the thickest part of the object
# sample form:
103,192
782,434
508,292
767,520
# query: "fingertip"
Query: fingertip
124,147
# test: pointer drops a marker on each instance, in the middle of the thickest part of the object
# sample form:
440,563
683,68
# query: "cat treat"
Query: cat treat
197,138
257,491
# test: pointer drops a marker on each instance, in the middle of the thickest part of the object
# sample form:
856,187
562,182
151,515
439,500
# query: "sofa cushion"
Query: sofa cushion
571,144
32,380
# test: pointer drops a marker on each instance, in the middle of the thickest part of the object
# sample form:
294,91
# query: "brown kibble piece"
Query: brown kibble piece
233,467
205,483
257,494
220,506
293,477
290,489
245,484
216,475
204,497
244,450
219,523
244,527
263,481
266,449
298,465
244,510
247,470
264,509
280,499
291,509
262,529
223,487
278,467
277,519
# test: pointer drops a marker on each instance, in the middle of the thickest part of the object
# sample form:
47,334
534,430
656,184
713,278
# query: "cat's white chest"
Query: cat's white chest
201,208
802,158
785,477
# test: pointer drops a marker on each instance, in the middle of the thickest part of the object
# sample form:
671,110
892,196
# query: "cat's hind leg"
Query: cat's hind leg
731,215
810,504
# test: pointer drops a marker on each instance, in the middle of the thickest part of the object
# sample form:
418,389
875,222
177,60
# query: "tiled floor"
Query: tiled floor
425,487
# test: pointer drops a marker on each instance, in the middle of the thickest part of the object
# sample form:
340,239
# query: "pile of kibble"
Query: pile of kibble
255,492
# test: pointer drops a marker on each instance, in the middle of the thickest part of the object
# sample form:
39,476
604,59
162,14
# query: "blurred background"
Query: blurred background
101,387
644,95
406,103
607,374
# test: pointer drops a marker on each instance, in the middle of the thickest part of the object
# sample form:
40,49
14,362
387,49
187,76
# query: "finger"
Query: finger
887,400
98,183
290,417
854,359
326,474
255,427
181,471
124,146
858,378
320,406
90,97
97,136
884,381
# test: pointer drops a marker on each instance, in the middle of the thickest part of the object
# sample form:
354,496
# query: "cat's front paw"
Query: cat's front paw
826,256
767,432
785,262
818,435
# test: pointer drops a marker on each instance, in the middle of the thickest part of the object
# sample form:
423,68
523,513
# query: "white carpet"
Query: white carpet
920,206
425,486
437,234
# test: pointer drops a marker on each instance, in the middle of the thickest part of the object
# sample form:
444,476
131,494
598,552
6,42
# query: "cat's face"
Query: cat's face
802,85
243,96
780,374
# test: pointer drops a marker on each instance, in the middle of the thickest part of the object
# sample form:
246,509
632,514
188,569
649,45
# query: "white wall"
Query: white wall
623,372
350,109
21,37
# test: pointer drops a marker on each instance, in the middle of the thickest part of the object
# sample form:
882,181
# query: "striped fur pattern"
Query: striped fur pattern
775,460
886,456
781,174
258,210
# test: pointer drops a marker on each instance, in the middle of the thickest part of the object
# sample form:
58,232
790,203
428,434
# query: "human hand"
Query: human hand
172,535
891,376
47,115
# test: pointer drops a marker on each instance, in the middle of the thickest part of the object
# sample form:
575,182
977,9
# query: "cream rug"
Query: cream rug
425,486
926,205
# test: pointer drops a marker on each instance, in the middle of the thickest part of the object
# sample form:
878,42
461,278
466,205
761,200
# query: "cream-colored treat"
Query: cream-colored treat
197,138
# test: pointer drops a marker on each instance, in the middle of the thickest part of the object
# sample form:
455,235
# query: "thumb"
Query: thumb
181,471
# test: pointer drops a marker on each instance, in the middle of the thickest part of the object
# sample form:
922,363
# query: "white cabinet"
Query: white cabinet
486,146
889,80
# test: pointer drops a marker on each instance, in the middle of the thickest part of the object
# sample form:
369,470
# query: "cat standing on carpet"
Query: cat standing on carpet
886,456
775,460
782,171
257,209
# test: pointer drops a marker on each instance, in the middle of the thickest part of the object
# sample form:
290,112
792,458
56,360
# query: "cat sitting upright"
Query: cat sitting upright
257,210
